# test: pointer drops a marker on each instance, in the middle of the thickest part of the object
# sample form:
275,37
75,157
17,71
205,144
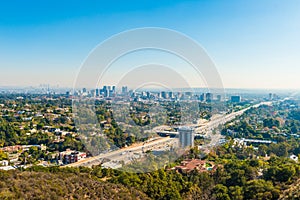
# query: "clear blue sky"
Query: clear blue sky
254,43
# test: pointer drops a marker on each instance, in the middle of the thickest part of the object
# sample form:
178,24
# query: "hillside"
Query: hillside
293,192
43,185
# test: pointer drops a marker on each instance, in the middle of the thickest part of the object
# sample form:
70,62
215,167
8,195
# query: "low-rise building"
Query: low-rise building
195,164
72,156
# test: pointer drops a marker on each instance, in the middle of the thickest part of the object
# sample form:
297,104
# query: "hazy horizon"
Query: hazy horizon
71,87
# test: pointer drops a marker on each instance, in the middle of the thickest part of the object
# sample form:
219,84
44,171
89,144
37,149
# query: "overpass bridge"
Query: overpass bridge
174,134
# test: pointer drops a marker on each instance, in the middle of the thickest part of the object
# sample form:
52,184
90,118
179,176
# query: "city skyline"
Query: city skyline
253,44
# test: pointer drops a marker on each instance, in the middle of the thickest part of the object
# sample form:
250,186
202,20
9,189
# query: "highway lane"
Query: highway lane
121,153
222,119
125,154
207,129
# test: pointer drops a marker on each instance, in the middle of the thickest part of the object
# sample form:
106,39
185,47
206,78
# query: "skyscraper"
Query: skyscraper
186,136
236,99
164,94
219,97
202,97
271,96
209,97
124,90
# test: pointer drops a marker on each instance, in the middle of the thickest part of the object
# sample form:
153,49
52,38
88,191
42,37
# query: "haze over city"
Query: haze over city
254,44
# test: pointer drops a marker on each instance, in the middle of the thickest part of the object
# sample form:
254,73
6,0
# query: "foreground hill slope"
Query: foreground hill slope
293,192
42,185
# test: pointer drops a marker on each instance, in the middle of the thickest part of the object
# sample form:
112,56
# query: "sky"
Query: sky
253,43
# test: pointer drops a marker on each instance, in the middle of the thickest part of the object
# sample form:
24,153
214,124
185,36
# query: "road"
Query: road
222,119
208,127
127,153
136,150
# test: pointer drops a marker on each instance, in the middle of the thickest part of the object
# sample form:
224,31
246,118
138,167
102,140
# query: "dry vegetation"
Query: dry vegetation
42,185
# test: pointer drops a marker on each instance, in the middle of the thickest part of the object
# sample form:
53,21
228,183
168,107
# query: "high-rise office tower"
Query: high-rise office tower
186,136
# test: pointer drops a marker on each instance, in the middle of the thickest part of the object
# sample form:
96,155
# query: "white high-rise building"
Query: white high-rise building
186,136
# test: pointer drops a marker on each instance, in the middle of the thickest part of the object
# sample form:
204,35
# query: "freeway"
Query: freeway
226,118
126,154
207,128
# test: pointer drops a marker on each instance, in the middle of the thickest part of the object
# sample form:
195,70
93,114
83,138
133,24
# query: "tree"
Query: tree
236,193
281,173
3,155
260,189
221,192
195,193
